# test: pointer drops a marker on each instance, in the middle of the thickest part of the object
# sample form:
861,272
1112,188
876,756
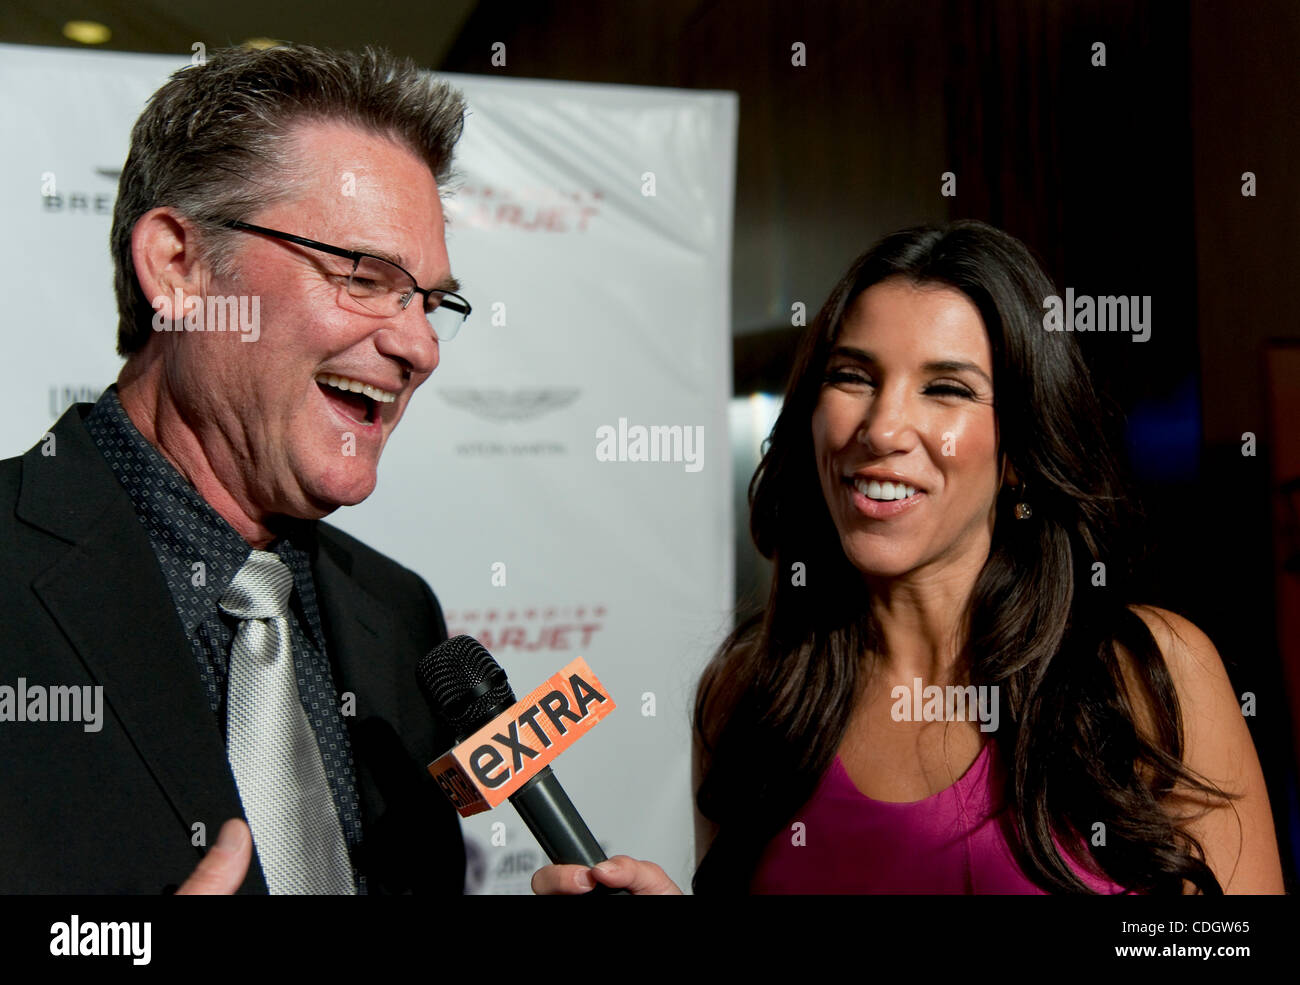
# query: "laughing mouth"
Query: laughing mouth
355,400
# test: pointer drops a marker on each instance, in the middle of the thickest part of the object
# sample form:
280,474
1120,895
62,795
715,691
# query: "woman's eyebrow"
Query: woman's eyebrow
935,366
858,354
956,366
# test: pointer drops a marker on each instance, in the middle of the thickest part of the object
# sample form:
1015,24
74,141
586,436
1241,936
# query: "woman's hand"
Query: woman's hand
620,872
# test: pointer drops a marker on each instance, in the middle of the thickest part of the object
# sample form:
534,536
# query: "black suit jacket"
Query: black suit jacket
83,602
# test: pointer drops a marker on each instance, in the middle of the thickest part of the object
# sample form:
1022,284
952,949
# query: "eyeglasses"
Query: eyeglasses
381,287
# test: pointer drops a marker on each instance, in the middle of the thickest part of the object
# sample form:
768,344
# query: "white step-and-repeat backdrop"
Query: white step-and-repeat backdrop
591,230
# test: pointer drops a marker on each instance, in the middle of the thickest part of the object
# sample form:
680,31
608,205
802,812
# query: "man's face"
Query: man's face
278,437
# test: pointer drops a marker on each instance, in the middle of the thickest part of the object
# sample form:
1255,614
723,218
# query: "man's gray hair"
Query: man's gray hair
214,143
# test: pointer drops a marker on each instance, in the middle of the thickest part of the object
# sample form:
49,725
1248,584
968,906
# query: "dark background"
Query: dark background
1124,179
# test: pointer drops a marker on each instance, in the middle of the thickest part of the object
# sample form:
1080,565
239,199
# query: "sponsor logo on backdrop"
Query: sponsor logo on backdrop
64,395
475,864
500,404
544,210
501,449
78,201
562,629
502,869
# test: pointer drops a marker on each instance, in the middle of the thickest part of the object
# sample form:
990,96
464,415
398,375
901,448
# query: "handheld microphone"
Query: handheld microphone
503,745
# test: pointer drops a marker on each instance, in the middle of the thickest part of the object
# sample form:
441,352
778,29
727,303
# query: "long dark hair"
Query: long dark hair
773,706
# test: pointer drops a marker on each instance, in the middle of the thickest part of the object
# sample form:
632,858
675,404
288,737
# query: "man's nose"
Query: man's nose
409,337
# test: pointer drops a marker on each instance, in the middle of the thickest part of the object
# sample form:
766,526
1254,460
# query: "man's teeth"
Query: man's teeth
344,383
884,491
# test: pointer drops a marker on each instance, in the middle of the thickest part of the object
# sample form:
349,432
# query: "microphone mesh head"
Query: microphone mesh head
466,686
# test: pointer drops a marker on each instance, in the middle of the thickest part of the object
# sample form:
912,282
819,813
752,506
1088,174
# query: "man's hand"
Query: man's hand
223,869
620,872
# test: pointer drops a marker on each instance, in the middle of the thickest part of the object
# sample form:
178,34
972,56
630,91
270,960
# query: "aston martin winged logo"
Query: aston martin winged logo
500,404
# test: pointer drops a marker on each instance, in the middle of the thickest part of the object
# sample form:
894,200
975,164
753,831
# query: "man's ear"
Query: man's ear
164,251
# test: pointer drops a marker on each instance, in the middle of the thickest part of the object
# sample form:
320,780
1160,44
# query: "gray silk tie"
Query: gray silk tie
271,745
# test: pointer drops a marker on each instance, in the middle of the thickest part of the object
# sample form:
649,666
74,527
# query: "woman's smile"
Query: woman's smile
882,501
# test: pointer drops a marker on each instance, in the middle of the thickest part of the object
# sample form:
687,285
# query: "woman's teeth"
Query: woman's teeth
884,491
344,383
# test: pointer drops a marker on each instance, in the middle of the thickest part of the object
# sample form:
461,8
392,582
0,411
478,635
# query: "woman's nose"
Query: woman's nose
885,425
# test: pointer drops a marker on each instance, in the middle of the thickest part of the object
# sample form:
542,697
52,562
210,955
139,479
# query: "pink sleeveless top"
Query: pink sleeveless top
947,843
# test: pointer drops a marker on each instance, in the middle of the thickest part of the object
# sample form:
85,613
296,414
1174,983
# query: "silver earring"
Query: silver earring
1023,510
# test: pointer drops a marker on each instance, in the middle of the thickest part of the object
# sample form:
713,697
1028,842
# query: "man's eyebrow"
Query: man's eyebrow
448,283
376,251
935,366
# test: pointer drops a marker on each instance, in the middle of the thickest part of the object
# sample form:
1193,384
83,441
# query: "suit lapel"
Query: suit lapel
108,596
361,643
356,630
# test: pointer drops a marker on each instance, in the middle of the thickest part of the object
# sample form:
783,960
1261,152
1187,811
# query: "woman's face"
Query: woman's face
905,435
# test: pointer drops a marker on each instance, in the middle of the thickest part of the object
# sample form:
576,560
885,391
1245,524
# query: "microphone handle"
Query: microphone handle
542,802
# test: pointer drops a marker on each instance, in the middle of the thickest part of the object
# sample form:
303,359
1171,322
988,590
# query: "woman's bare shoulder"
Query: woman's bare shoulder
1238,836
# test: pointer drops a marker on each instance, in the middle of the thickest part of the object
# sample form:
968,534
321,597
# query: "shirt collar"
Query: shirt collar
199,551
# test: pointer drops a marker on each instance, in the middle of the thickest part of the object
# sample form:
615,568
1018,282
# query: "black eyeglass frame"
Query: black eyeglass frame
457,304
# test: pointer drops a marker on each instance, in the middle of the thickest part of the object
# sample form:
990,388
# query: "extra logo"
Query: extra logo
514,747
